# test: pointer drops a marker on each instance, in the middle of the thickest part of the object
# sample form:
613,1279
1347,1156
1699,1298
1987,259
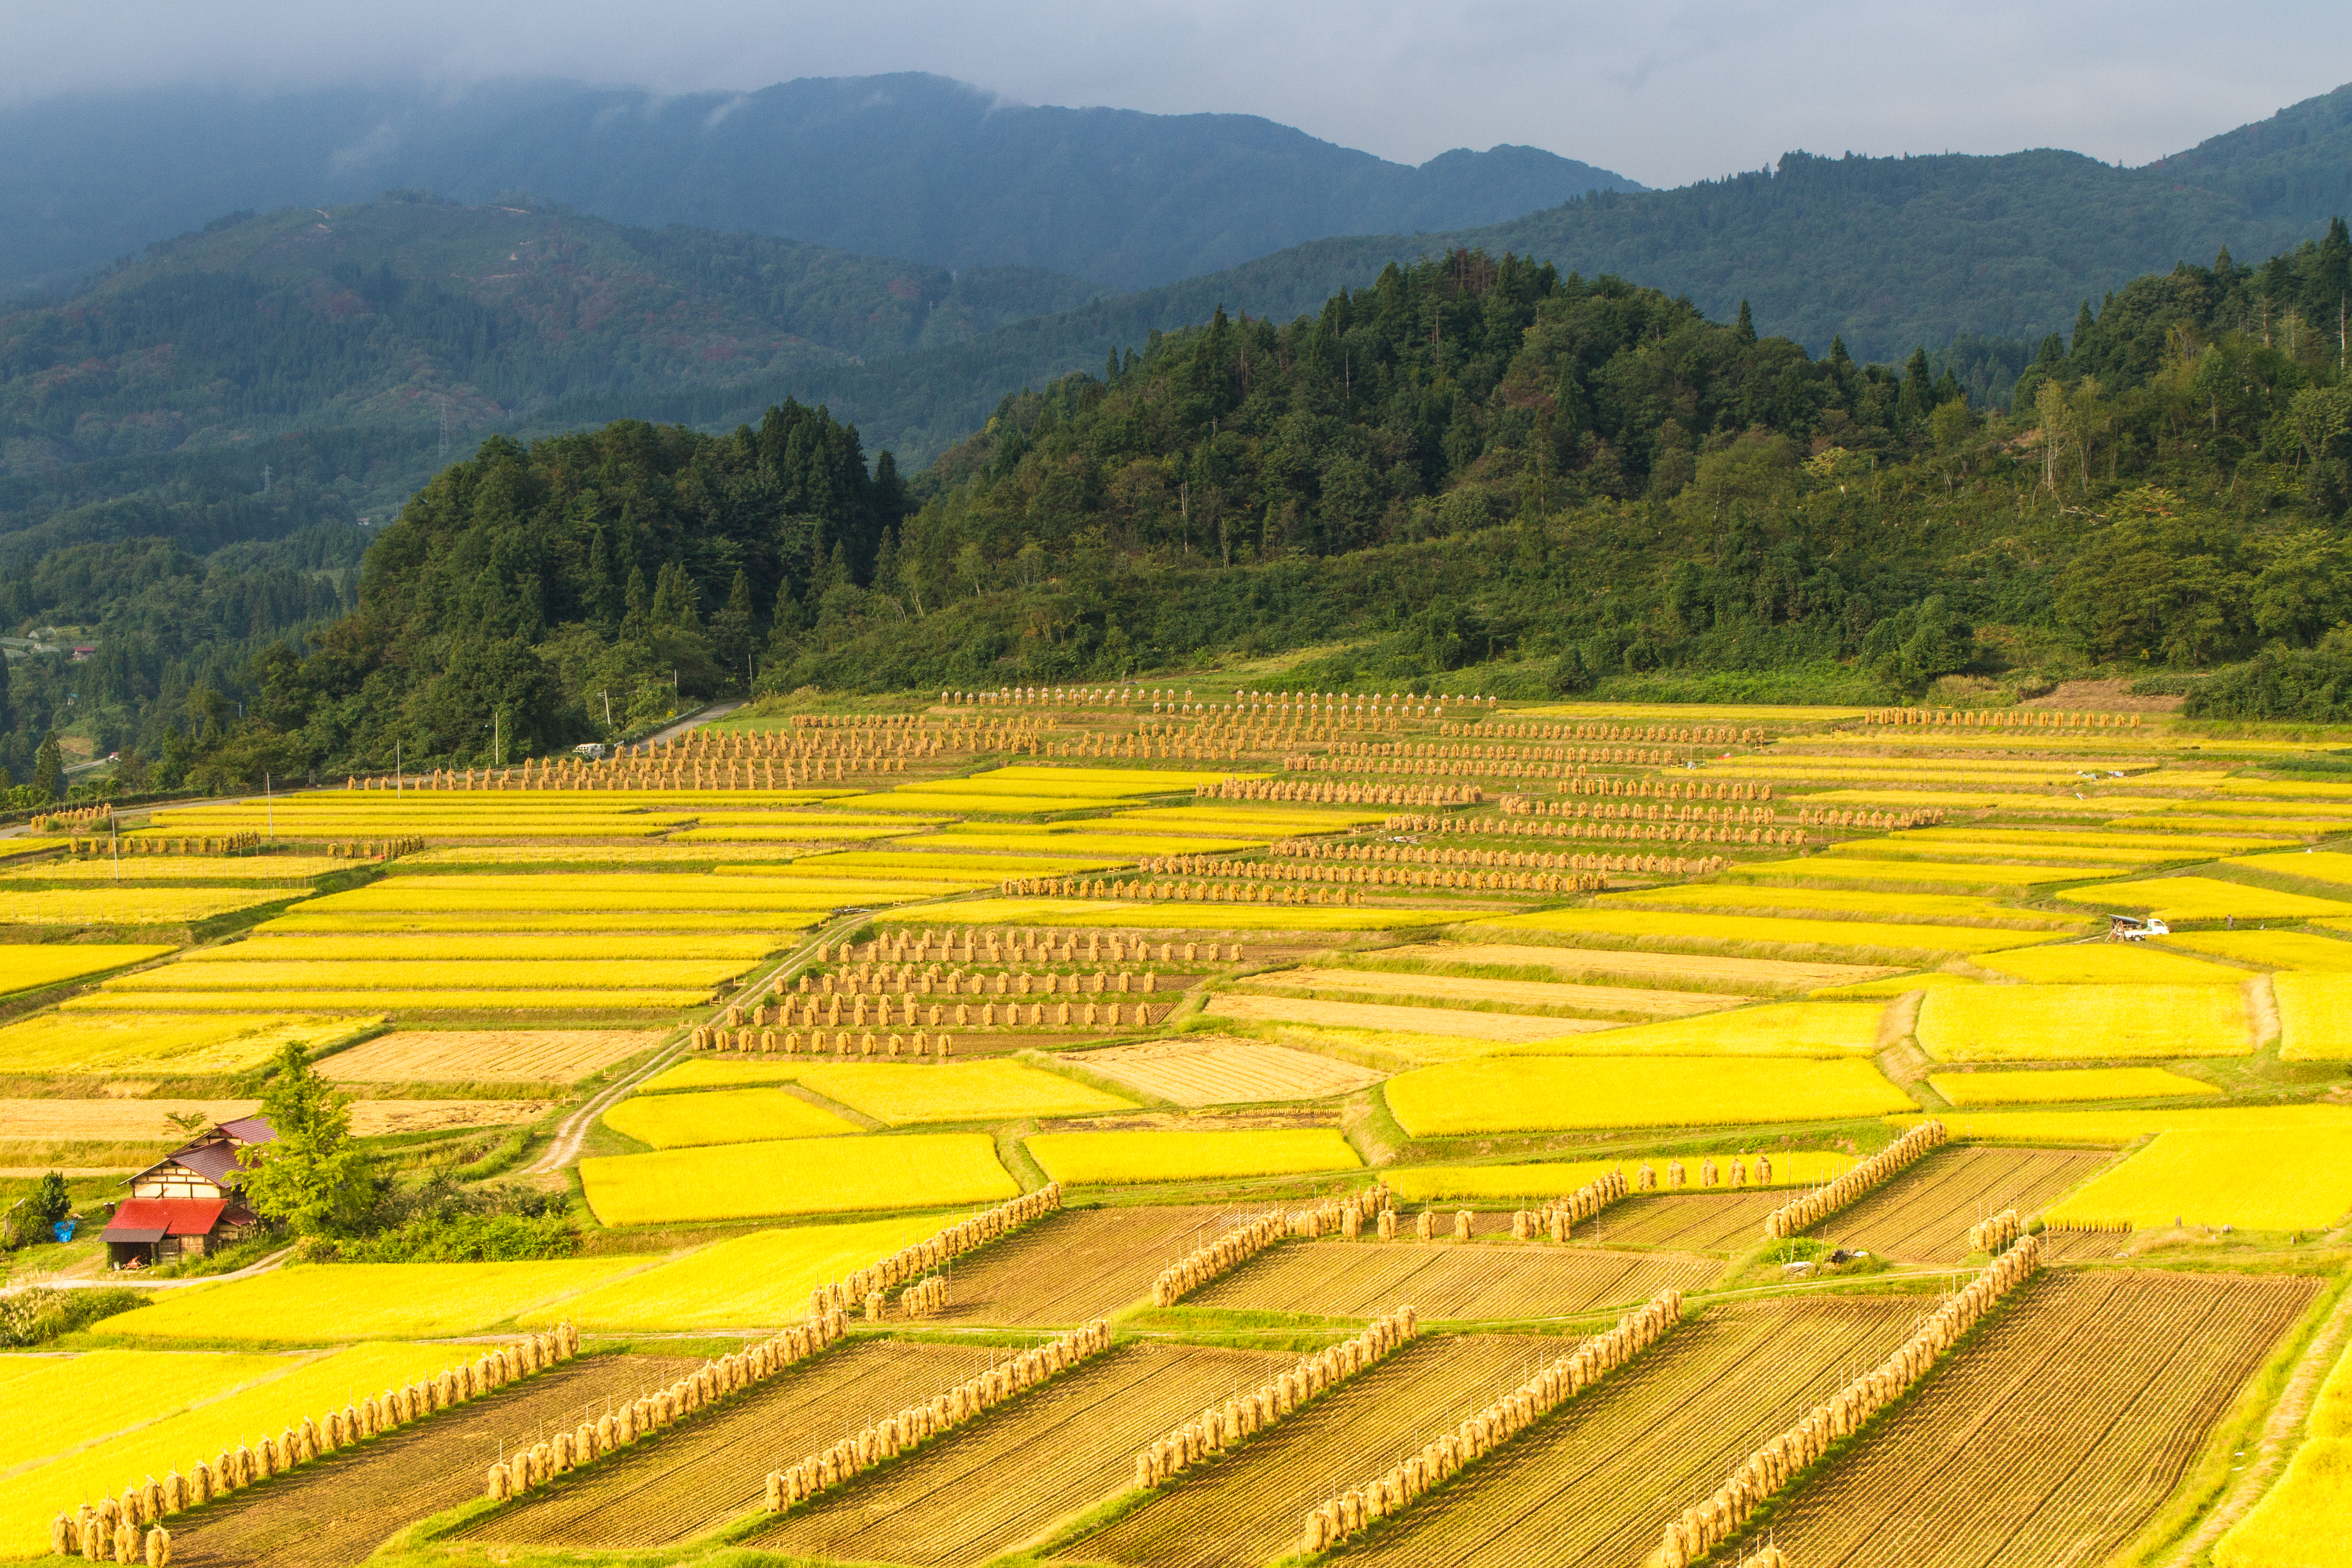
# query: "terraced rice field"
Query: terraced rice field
1446,1279
487,1055
714,1466
1221,1070
1922,1216
1506,995
2054,1435
1760,976
1517,1028
25,965
133,1121
1685,1222
113,1045
335,1511
1080,1263
1244,1510
1591,1487
997,1484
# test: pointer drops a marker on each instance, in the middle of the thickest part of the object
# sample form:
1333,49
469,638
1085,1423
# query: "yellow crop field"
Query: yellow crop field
2084,1022
1925,907
802,1176
754,1281
451,1000
1969,1090
2109,963
2272,949
226,972
1084,1159
2287,789
1847,868
24,965
1775,1028
2273,1180
62,1044
2306,1509
1460,1023
1667,925
933,863
597,891
1049,838
423,827
2205,898
260,870
333,1303
1108,780
1892,986
308,1386
1169,914
2145,837
106,904
268,942
927,801
389,972
1278,820
704,1073
46,1408
957,1091
722,1116
2313,866
10,849
668,856
1427,1183
2314,1025
776,924
2116,1127
812,834
2054,862
1530,1094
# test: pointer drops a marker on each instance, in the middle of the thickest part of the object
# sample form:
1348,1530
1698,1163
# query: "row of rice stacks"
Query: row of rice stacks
706,1384
865,1287
99,1531
1343,1216
1994,1235
1708,1525
1812,1208
1497,1424
893,1434
1678,1177
1205,1262
1246,1415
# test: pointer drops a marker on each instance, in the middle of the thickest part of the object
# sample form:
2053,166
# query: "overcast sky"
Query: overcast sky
1664,92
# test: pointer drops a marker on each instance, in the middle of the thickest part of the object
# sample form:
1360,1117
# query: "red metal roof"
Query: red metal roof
166,1216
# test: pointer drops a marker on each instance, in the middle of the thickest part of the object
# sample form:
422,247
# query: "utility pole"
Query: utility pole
395,770
265,478
444,432
269,806
607,695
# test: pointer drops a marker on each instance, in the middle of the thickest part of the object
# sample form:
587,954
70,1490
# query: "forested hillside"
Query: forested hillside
1478,471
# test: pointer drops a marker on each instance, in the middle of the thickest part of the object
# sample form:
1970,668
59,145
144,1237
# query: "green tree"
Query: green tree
311,1176
49,768
733,633
50,1202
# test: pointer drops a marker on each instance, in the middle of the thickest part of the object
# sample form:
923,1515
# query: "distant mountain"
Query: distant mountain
907,165
414,318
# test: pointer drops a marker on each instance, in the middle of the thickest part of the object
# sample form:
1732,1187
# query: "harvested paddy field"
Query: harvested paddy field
705,1472
1221,1070
1922,1216
1512,1027
1244,1510
1078,1263
335,1511
1606,1472
2053,1436
991,1487
1551,997
487,1055
1447,1278
1685,1222
1753,977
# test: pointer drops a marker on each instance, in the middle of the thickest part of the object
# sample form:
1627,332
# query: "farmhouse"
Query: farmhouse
189,1202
